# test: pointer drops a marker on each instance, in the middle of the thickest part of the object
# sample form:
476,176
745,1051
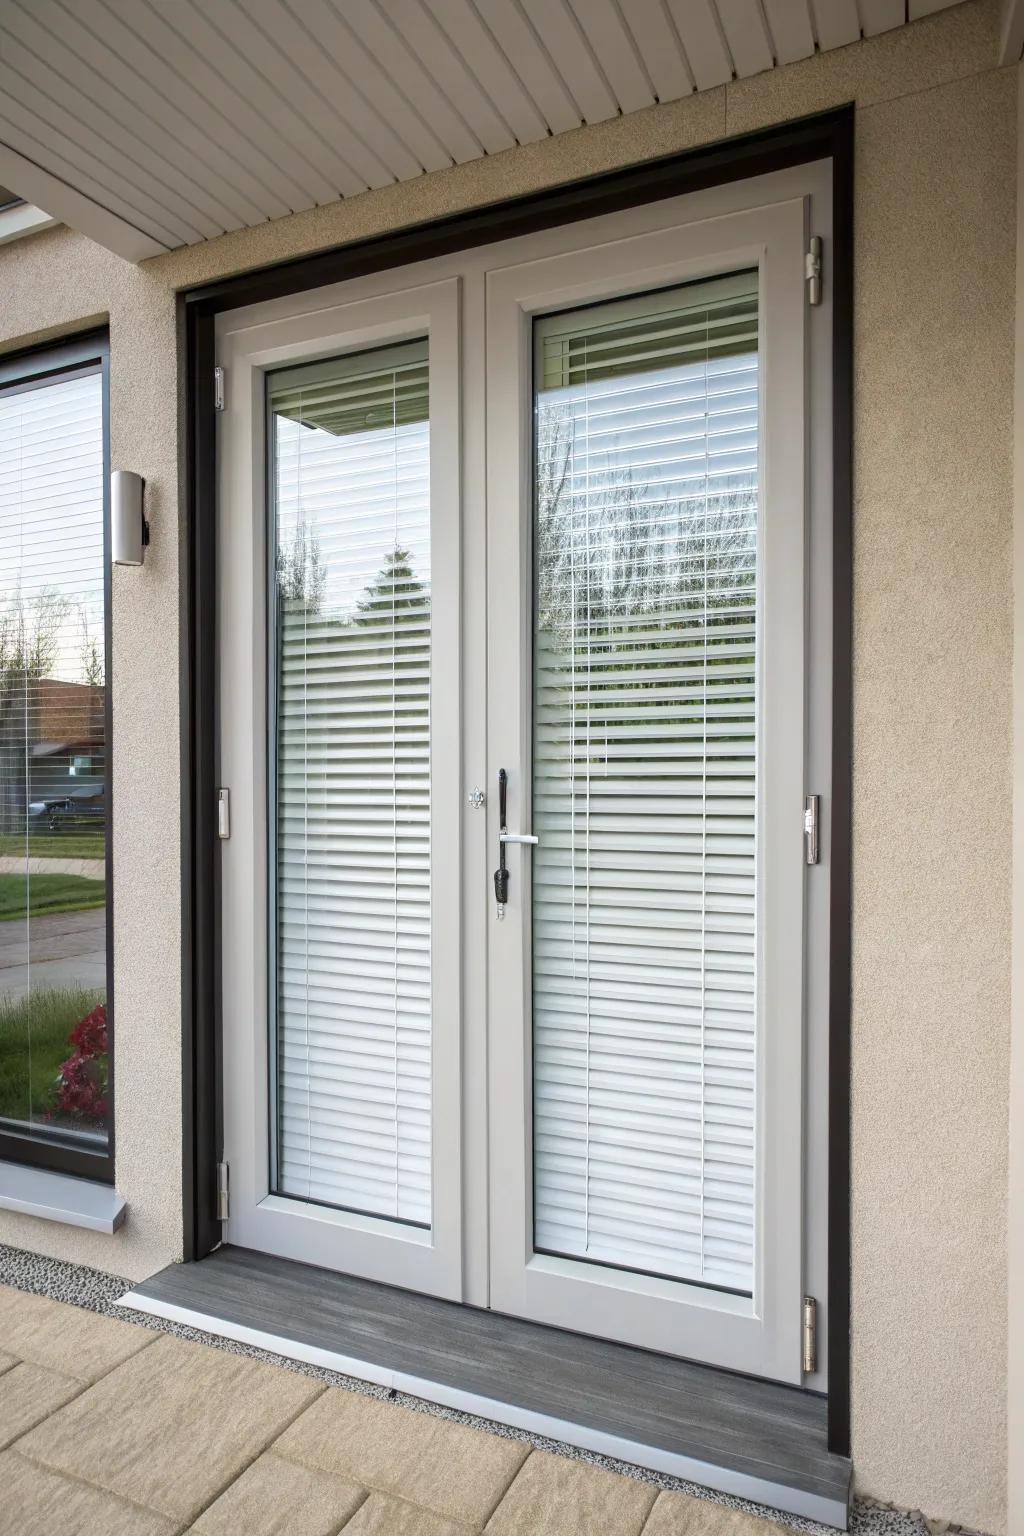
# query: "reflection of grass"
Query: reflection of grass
53,845
28,1072
47,894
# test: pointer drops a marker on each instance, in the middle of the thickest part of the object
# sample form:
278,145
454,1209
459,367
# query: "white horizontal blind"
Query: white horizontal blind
352,549
644,782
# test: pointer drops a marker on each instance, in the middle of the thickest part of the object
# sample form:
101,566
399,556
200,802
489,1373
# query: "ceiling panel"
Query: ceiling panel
151,124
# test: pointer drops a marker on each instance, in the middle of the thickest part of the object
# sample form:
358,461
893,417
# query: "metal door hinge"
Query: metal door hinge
223,813
809,1336
812,270
222,1192
812,811
218,389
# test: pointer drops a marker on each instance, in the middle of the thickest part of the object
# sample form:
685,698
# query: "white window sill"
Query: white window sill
59,1197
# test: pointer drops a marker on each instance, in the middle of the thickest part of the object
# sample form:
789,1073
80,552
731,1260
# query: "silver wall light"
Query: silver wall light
129,531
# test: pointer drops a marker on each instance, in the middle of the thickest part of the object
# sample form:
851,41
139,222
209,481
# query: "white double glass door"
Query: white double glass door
550,513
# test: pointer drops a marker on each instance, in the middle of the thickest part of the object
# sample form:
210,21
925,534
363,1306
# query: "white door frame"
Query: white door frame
390,1251
307,325
760,1334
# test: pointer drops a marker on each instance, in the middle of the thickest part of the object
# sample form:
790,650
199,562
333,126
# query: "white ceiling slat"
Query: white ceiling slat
339,42
217,26
233,88
521,46
86,64
706,53
374,29
659,47
33,77
836,22
67,204
128,67
616,52
558,30
789,22
28,115
27,145
458,85
744,28
335,105
467,32
169,62
157,123
881,15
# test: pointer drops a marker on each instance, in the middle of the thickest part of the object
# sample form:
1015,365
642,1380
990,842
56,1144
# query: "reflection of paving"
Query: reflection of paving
66,949
89,869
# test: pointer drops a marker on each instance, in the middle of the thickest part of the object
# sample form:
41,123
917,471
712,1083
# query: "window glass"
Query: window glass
54,1062
644,782
350,492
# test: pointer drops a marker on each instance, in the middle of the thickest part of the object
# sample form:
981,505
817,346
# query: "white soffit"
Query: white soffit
153,124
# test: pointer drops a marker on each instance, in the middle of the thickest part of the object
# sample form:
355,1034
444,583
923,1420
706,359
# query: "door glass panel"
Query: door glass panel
644,782
350,781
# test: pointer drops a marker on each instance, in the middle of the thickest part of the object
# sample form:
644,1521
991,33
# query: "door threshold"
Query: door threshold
753,1439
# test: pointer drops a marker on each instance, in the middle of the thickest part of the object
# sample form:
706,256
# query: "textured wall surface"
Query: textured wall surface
935,202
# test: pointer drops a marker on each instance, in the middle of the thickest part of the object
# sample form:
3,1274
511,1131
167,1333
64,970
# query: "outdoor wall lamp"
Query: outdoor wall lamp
129,531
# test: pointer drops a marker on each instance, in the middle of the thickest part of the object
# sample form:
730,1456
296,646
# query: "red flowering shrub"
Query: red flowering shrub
82,1085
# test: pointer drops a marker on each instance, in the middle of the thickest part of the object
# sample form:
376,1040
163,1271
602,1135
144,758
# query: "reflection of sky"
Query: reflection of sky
51,513
362,494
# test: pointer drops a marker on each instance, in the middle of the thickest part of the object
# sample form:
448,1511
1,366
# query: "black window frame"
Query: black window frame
36,368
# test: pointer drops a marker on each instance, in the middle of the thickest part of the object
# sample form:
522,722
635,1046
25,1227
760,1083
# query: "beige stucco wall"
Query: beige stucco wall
935,242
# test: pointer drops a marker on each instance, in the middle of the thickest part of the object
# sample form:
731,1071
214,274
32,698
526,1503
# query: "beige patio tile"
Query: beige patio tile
677,1514
37,1502
173,1426
28,1394
457,1472
554,1496
66,1339
275,1497
382,1515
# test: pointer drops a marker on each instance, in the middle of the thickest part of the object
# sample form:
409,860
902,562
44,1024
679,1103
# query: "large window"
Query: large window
55,1056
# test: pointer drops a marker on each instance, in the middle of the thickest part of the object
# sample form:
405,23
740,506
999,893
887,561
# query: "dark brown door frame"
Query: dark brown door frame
826,137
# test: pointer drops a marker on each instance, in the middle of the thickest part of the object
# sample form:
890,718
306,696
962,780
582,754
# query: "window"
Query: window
644,782
55,1056
351,497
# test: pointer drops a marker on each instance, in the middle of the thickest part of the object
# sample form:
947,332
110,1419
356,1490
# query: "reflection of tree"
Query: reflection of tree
301,577
29,647
616,549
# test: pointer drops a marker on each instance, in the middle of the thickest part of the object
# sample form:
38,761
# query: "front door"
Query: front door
523,682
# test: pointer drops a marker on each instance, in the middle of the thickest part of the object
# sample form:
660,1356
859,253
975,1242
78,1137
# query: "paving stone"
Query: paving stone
450,1469
677,1514
66,1339
554,1496
28,1395
172,1426
275,1497
382,1515
37,1502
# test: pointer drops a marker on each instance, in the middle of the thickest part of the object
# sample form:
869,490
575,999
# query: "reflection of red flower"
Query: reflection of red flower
82,1084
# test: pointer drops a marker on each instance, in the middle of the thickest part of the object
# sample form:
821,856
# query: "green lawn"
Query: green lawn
54,845
48,894
28,1074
